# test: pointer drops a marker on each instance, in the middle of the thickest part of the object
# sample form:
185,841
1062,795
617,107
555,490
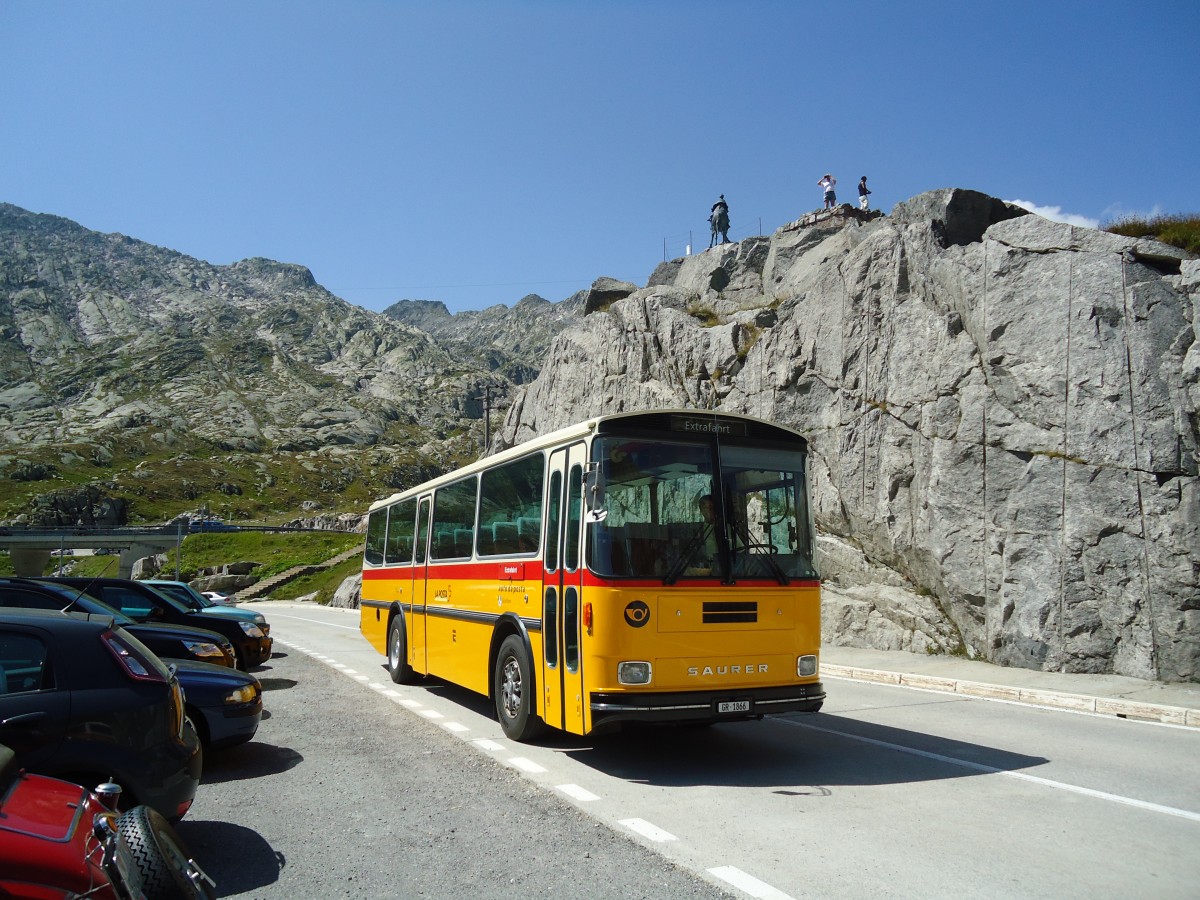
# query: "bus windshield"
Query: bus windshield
676,509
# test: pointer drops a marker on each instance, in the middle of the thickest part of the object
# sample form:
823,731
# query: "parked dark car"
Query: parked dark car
225,705
84,700
59,839
197,602
141,601
164,640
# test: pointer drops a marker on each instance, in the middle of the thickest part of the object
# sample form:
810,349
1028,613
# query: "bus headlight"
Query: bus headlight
634,672
806,666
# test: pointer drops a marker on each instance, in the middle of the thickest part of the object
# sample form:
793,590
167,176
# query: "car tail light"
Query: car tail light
132,661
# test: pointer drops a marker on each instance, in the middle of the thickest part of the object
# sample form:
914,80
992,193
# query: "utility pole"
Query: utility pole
487,415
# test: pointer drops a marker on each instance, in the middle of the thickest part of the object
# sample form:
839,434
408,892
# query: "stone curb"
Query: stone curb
1106,706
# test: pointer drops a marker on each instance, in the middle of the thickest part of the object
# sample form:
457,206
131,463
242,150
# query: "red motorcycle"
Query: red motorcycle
60,840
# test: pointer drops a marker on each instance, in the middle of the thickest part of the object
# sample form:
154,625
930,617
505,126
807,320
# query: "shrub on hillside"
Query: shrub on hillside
1181,231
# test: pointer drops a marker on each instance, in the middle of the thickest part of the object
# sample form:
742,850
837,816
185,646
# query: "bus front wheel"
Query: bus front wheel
397,655
513,689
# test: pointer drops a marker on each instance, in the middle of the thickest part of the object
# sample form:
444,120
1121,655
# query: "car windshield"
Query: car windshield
84,602
183,594
668,515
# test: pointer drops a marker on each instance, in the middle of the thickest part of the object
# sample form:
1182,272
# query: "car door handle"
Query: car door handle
22,719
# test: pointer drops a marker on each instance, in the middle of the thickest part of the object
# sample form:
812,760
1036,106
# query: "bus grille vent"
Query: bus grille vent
722,613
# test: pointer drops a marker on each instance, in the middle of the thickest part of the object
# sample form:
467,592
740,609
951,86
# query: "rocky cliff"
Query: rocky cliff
1002,413
509,340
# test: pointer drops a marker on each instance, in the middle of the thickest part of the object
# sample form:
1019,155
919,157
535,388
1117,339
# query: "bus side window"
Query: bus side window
398,549
510,502
376,532
454,511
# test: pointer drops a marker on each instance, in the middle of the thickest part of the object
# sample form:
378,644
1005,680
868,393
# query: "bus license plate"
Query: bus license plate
733,706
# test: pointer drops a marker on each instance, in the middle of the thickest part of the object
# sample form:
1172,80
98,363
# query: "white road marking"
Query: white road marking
488,744
279,615
411,704
581,794
1021,776
526,765
646,830
431,714
456,727
748,883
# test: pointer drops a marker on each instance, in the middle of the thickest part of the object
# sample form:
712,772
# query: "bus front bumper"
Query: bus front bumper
705,706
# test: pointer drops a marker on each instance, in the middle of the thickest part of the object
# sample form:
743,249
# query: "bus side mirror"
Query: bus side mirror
595,492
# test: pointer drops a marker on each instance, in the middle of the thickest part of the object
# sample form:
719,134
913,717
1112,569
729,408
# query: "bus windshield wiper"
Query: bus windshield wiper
689,551
744,533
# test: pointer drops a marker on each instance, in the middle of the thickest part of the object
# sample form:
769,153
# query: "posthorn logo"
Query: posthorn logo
637,613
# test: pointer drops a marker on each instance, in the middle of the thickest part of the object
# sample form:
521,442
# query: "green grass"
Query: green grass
1179,230
323,584
275,552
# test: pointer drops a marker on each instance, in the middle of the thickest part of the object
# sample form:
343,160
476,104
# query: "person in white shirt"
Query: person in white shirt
830,197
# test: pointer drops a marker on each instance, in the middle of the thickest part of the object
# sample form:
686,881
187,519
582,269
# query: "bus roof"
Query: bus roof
566,435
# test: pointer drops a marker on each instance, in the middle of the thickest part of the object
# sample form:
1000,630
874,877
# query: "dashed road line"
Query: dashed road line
748,883
574,791
526,765
648,831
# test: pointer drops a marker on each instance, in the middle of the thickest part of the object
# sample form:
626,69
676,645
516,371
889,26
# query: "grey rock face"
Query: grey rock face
1002,413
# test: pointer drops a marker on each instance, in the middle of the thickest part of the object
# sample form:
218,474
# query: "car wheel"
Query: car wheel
513,689
166,866
397,655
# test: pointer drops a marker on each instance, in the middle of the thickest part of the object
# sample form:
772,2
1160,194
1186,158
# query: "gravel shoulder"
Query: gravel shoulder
343,793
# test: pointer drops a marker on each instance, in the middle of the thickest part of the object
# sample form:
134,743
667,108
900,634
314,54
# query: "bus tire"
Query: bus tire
397,655
513,689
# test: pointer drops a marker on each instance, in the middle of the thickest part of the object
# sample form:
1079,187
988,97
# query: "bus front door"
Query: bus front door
563,703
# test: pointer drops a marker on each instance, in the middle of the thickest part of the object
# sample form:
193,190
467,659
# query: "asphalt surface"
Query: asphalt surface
343,793
909,784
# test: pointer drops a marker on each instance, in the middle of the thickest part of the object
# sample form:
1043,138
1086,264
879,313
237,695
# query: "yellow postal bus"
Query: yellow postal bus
651,567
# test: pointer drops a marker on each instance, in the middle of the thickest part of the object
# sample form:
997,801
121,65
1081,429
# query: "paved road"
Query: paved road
889,792
344,793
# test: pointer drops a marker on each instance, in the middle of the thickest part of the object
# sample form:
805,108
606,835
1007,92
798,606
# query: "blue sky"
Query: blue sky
476,152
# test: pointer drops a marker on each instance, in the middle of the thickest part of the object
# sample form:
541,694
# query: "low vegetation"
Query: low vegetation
323,585
1180,230
275,552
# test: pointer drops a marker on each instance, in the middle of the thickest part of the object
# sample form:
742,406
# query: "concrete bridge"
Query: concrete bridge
31,548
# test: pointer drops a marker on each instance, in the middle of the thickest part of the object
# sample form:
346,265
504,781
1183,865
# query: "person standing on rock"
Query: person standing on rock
719,220
863,202
827,183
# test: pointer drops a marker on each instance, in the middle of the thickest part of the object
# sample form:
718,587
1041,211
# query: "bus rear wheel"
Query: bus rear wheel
397,655
513,690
